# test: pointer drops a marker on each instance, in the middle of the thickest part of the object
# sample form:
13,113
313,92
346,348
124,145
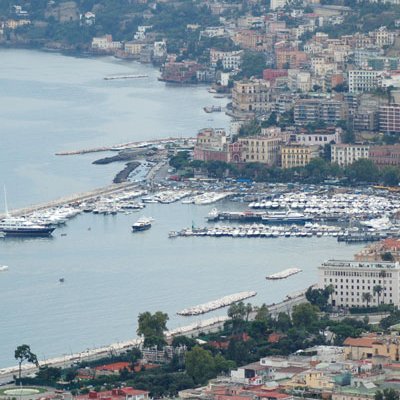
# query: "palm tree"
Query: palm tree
367,297
377,291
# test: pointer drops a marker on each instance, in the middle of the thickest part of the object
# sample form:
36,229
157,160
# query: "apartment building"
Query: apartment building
350,279
363,80
211,145
312,110
289,58
385,155
261,149
319,137
346,154
389,118
297,155
251,96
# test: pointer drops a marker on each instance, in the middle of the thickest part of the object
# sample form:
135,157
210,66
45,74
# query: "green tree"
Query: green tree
262,313
387,256
367,297
253,64
152,327
391,176
222,364
387,394
305,315
49,374
200,365
24,353
363,170
183,341
377,290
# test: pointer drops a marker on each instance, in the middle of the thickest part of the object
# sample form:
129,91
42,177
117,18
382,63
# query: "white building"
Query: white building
363,81
105,43
346,154
318,138
277,4
350,279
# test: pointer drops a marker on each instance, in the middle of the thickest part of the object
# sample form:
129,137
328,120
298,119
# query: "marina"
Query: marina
216,304
284,274
309,230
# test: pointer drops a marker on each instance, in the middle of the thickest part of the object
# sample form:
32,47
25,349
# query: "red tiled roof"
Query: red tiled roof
113,366
359,342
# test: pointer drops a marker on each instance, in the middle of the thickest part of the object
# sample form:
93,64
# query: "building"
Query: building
297,155
346,154
363,80
261,149
180,72
105,43
231,60
211,145
270,75
312,110
319,137
277,4
385,155
351,279
289,58
134,48
126,393
250,96
371,346
375,251
389,118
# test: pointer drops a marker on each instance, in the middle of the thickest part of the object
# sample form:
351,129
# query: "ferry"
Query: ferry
142,224
284,274
285,217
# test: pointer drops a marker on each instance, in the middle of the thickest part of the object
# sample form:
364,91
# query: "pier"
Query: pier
76,198
124,146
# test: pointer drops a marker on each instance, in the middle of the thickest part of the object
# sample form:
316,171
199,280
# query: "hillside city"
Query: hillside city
313,92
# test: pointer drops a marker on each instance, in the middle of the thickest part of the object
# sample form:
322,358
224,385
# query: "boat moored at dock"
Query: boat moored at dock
20,227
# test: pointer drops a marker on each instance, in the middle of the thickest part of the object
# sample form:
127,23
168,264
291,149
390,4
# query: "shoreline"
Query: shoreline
209,325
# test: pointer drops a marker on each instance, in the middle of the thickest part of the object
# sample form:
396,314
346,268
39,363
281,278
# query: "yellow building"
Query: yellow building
311,379
295,155
261,149
251,96
134,48
370,346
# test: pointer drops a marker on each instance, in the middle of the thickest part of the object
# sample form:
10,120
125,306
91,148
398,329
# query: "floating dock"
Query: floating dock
216,304
284,274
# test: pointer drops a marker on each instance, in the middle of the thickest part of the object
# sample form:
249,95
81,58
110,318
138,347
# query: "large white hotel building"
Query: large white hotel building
351,279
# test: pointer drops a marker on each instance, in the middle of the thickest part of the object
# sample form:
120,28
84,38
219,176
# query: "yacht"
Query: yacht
142,224
3,268
21,227
285,217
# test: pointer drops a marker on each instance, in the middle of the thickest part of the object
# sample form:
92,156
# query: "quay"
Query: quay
76,198
124,146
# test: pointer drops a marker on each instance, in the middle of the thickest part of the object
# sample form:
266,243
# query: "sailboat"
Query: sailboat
17,227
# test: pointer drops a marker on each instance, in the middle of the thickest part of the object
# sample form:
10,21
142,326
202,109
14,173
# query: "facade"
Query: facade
312,110
290,58
211,145
105,43
363,80
371,346
350,279
389,118
385,155
180,72
297,155
250,96
318,137
346,154
261,149
126,393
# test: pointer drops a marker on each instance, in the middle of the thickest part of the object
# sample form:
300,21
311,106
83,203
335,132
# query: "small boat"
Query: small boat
142,224
3,268
61,280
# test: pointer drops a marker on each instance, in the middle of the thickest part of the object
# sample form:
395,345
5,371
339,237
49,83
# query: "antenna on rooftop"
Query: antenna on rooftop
5,202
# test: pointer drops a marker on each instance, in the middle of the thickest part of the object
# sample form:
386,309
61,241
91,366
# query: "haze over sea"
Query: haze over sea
50,103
